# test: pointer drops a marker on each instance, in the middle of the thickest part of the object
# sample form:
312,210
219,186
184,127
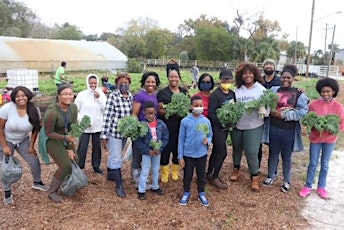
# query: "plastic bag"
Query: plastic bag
11,169
75,181
128,152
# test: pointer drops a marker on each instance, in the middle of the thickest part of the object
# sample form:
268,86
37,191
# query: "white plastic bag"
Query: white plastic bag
128,151
11,169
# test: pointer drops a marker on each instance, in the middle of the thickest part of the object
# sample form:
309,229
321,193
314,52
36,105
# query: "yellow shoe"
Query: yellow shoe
175,172
165,172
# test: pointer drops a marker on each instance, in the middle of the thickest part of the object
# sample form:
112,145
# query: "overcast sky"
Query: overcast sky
294,16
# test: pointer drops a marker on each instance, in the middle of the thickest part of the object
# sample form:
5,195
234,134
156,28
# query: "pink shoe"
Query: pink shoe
305,192
322,193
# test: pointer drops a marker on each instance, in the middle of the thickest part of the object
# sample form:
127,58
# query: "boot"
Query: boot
110,174
165,171
136,177
235,175
52,192
119,183
175,172
255,183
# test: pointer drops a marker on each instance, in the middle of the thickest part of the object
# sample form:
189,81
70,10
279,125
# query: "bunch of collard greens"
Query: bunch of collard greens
130,126
230,113
269,99
328,123
156,145
179,105
204,128
77,129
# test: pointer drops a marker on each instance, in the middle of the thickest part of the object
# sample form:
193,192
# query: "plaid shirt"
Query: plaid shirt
116,108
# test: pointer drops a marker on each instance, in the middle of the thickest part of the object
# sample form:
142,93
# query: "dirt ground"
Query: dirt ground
98,207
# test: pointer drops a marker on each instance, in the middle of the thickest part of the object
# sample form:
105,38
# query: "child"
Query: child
328,89
195,135
158,133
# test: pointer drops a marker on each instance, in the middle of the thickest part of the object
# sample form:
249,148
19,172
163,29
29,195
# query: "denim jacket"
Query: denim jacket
143,143
292,115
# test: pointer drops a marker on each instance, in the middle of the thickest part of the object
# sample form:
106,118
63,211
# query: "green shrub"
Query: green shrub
134,65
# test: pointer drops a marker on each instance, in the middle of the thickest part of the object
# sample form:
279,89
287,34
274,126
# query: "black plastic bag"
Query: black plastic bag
11,169
75,181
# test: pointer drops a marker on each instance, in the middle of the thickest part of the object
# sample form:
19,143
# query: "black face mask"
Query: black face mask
268,72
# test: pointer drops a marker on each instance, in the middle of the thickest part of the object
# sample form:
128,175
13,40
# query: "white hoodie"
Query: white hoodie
91,106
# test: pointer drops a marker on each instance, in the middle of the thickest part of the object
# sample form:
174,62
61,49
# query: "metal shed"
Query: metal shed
46,55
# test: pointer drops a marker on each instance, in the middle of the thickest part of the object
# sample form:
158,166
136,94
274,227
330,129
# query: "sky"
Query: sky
294,16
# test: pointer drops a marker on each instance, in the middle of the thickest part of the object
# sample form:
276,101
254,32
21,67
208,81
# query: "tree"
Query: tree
300,51
16,19
157,42
68,32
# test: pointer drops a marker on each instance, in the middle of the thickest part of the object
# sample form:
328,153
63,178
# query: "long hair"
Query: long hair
31,109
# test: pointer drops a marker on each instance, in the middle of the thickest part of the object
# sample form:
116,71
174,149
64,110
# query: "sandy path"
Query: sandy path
328,214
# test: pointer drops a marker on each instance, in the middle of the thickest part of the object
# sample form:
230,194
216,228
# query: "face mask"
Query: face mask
268,72
123,88
226,86
197,110
205,86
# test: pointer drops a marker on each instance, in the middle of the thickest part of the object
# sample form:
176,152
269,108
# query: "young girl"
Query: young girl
328,89
195,135
158,132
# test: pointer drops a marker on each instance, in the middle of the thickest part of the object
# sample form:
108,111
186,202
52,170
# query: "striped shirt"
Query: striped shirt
116,108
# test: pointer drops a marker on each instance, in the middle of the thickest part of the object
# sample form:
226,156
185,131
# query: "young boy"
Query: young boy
150,147
195,135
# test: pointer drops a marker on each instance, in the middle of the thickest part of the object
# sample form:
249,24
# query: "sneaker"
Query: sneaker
305,192
158,191
98,170
285,187
40,186
8,200
185,198
268,181
322,193
203,199
218,183
142,195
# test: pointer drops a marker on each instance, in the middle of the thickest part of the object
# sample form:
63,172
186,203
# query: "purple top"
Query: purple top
142,97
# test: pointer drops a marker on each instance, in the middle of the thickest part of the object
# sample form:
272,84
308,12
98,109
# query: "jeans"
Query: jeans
32,160
148,162
115,147
96,149
281,141
314,155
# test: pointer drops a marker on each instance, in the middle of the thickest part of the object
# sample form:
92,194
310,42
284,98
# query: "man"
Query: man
195,72
60,74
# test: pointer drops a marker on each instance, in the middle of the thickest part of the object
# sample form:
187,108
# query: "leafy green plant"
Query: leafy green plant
156,145
77,129
204,128
130,126
230,113
269,99
328,123
179,105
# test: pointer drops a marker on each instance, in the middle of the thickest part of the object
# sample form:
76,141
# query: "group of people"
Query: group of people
184,141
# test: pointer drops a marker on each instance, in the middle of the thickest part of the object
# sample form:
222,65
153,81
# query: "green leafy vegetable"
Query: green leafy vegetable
230,113
204,128
130,126
328,123
79,128
269,99
156,145
179,105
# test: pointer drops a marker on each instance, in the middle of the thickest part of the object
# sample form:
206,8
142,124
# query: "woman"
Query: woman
324,142
205,86
118,105
218,97
60,145
173,122
247,134
18,119
91,102
283,130
149,83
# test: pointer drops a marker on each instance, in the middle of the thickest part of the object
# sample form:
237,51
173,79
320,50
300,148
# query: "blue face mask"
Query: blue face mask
123,88
205,86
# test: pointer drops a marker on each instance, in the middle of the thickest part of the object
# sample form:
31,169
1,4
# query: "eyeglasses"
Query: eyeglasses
67,94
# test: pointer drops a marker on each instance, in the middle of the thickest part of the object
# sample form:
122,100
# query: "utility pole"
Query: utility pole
331,52
310,41
325,41
295,54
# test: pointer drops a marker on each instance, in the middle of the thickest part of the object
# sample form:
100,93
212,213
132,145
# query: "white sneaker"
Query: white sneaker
40,186
8,200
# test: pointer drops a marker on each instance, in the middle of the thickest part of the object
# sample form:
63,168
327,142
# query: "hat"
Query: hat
123,75
266,61
226,73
